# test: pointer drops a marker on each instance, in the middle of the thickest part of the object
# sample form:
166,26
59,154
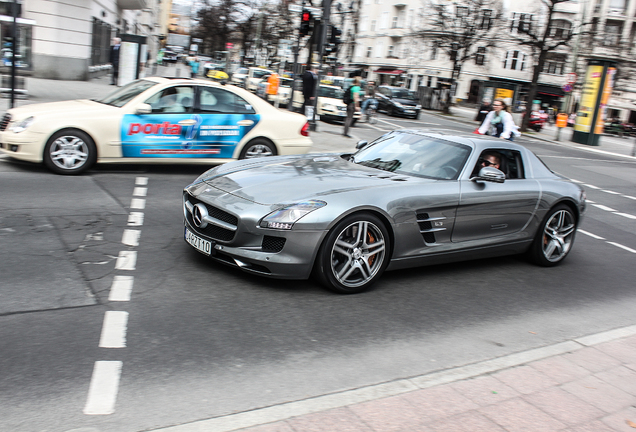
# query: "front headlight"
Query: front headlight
397,104
328,107
20,126
418,106
286,217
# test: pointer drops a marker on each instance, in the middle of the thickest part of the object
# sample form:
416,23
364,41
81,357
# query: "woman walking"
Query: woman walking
499,122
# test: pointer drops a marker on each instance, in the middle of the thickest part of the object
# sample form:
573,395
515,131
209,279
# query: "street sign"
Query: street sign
567,88
570,78
315,12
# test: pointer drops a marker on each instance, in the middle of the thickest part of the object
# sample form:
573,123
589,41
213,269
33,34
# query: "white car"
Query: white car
330,106
153,120
238,77
254,76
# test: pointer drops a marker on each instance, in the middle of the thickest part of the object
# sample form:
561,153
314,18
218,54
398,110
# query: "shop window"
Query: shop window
23,55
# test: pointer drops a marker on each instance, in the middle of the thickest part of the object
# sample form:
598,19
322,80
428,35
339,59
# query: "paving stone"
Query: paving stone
271,427
592,359
485,390
599,393
517,415
564,406
622,421
525,379
471,421
619,349
441,401
622,377
595,426
339,419
560,369
393,414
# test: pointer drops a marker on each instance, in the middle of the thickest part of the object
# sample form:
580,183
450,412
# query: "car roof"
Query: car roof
470,139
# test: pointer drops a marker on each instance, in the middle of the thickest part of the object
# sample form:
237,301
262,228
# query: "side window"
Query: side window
172,100
510,162
219,101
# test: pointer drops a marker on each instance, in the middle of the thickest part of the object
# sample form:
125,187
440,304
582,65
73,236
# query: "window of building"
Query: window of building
429,81
100,42
373,25
364,22
401,18
434,50
384,18
515,60
462,11
521,23
369,51
555,64
409,18
613,30
486,19
617,6
389,52
394,24
379,48
560,29
480,57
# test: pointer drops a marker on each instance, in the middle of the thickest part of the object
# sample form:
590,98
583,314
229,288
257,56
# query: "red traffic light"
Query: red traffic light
306,16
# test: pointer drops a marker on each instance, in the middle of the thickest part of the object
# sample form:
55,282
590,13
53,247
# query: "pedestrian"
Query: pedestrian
499,122
194,66
309,87
483,110
114,60
369,97
353,104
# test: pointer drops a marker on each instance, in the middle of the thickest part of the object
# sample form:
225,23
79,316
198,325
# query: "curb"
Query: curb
288,410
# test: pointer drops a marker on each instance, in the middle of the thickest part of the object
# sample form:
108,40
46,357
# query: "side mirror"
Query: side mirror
490,174
361,144
143,109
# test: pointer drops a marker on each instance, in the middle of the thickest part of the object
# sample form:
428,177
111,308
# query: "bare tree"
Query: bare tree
462,30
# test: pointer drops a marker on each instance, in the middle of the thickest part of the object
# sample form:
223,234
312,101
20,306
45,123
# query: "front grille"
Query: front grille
5,121
273,244
213,231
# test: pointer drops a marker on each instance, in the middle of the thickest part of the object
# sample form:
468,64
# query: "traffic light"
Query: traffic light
334,40
305,23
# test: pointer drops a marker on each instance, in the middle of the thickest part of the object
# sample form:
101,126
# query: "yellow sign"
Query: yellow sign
589,96
505,94
272,84
217,75
607,92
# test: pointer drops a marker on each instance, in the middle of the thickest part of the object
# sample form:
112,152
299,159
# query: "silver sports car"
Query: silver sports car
407,199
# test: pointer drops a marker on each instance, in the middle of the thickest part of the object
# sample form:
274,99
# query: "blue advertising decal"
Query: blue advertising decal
184,135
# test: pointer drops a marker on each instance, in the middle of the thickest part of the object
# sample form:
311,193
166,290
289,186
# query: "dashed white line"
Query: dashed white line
141,181
135,219
602,207
102,392
127,260
140,191
630,197
610,192
627,215
121,288
590,234
131,237
590,186
138,204
622,247
114,330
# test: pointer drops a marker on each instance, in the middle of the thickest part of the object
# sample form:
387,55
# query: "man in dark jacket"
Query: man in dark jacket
309,87
483,110
114,60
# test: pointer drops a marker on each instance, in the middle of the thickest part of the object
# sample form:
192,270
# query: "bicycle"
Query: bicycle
371,115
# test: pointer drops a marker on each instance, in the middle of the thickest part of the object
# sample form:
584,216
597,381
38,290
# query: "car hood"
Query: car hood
408,102
287,179
60,108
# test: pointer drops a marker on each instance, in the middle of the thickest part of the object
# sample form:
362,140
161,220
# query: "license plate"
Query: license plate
342,114
202,245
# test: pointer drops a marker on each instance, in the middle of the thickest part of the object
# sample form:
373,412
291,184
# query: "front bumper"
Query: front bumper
238,241
26,146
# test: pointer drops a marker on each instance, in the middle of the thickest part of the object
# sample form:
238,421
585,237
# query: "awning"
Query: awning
390,71
550,90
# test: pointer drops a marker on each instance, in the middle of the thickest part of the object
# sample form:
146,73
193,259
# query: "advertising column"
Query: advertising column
597,89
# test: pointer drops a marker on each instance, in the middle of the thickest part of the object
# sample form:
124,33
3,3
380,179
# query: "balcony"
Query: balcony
132,4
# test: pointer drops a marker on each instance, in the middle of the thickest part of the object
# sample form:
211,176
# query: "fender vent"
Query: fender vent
427,229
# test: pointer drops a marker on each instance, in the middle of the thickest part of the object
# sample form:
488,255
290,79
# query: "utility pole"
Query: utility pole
290,105
324,25
14,49
575,54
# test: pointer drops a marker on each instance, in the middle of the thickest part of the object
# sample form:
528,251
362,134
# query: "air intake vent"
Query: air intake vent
273,244
5,121
427,229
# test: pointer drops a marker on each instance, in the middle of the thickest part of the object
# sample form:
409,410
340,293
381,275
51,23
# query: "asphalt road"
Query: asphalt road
204,340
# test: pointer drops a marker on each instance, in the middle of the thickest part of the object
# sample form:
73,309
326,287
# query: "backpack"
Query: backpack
347,98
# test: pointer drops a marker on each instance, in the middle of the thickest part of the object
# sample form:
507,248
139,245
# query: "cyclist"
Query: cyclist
369,98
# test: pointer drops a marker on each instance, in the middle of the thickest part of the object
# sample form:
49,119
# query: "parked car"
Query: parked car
239,76
284,91
398,101
409,198
254,76
153,120
330,106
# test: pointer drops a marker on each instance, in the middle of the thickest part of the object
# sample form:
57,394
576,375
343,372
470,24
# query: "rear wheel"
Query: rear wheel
258,148
69,152
555,237
354,254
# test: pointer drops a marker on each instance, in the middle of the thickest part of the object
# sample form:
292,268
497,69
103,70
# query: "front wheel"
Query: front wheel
354,254
555,237
258,148
69,152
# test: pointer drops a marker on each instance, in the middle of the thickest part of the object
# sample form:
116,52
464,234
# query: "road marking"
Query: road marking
131,237
141,181
135,219
121,288
627,215
591,186
140,191
630,197
114,330
590,234
589,201
622,247
602,207
102,392
138,203
610,192
576,181
127,260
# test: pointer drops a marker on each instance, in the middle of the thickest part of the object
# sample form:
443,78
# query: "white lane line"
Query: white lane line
602,207
135,219
141,181
590,234
131,237
630,197
589,201
102,392
627,215
127,260
610,192
114,330
576,181
591,186
622,247
138,203
140,191
121,288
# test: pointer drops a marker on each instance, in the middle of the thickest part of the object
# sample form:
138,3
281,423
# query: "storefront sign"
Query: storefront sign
589,96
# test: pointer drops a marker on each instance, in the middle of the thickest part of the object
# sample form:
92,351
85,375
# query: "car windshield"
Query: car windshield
241,71
286,82
401,93
261,73
416,155
330,92
122,96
